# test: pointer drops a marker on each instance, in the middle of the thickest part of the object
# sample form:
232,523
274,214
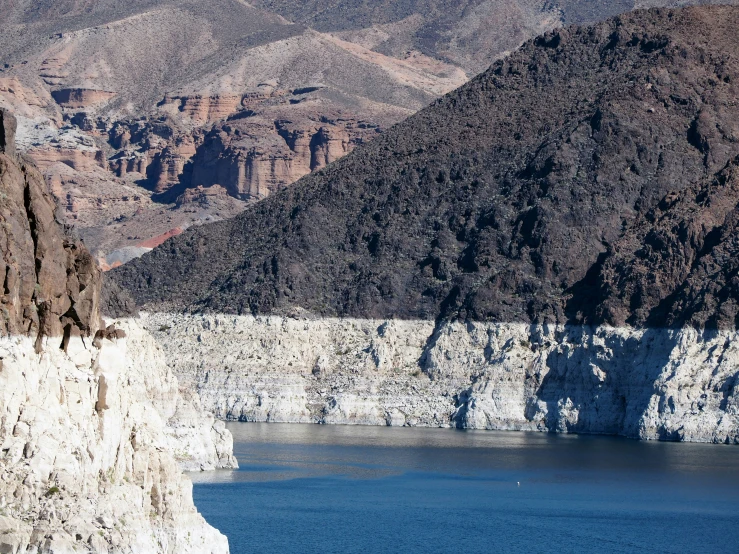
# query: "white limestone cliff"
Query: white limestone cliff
90,444
649,384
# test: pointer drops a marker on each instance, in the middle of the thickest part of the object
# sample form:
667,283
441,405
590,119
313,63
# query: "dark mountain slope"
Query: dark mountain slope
492,203
677,265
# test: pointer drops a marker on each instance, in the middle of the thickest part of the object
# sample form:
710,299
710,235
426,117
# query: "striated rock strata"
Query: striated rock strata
666,384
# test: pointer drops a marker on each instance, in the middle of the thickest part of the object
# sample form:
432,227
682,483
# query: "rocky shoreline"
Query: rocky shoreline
651,384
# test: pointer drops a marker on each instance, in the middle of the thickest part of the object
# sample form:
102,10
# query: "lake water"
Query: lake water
342,489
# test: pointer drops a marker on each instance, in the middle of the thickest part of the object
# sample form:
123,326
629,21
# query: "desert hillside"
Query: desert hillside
151,116
503,200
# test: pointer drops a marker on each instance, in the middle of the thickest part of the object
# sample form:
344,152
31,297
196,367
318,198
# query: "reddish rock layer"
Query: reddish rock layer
156,241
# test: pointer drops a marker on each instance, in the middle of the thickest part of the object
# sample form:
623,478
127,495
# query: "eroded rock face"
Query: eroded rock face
653,384
7,133
93,443
252,160
52,284
676,265
80,98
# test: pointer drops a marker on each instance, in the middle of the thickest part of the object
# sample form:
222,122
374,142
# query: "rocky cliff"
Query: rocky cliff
52,284
115,101
675,265
94,429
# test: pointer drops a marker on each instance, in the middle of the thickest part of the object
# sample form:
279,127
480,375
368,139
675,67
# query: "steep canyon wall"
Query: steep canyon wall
94,429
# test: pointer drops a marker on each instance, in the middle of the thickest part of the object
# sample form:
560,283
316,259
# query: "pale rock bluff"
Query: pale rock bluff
89,463
648,384
94,430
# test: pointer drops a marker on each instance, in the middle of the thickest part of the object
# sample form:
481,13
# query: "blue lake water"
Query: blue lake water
343,489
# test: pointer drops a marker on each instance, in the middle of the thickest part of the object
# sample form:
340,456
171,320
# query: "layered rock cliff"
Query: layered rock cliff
94,430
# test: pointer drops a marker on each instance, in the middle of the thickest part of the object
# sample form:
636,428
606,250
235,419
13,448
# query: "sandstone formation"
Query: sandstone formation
231,157
80,98
94,429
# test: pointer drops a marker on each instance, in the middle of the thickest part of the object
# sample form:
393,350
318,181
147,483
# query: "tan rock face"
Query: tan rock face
28,99
81,160
202,109
253,160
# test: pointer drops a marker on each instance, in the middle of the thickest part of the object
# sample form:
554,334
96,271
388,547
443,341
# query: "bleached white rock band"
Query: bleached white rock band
649,384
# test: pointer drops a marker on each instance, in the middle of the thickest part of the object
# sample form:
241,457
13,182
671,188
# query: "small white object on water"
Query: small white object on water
518,483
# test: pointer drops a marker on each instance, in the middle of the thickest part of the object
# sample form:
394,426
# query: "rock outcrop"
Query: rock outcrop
52,284
89,453
7,133
94,430
80,98
675,266
252,161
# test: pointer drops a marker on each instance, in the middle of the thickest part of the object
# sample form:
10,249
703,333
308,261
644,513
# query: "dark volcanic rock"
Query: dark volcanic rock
677,265
499,201
115,302
51,284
